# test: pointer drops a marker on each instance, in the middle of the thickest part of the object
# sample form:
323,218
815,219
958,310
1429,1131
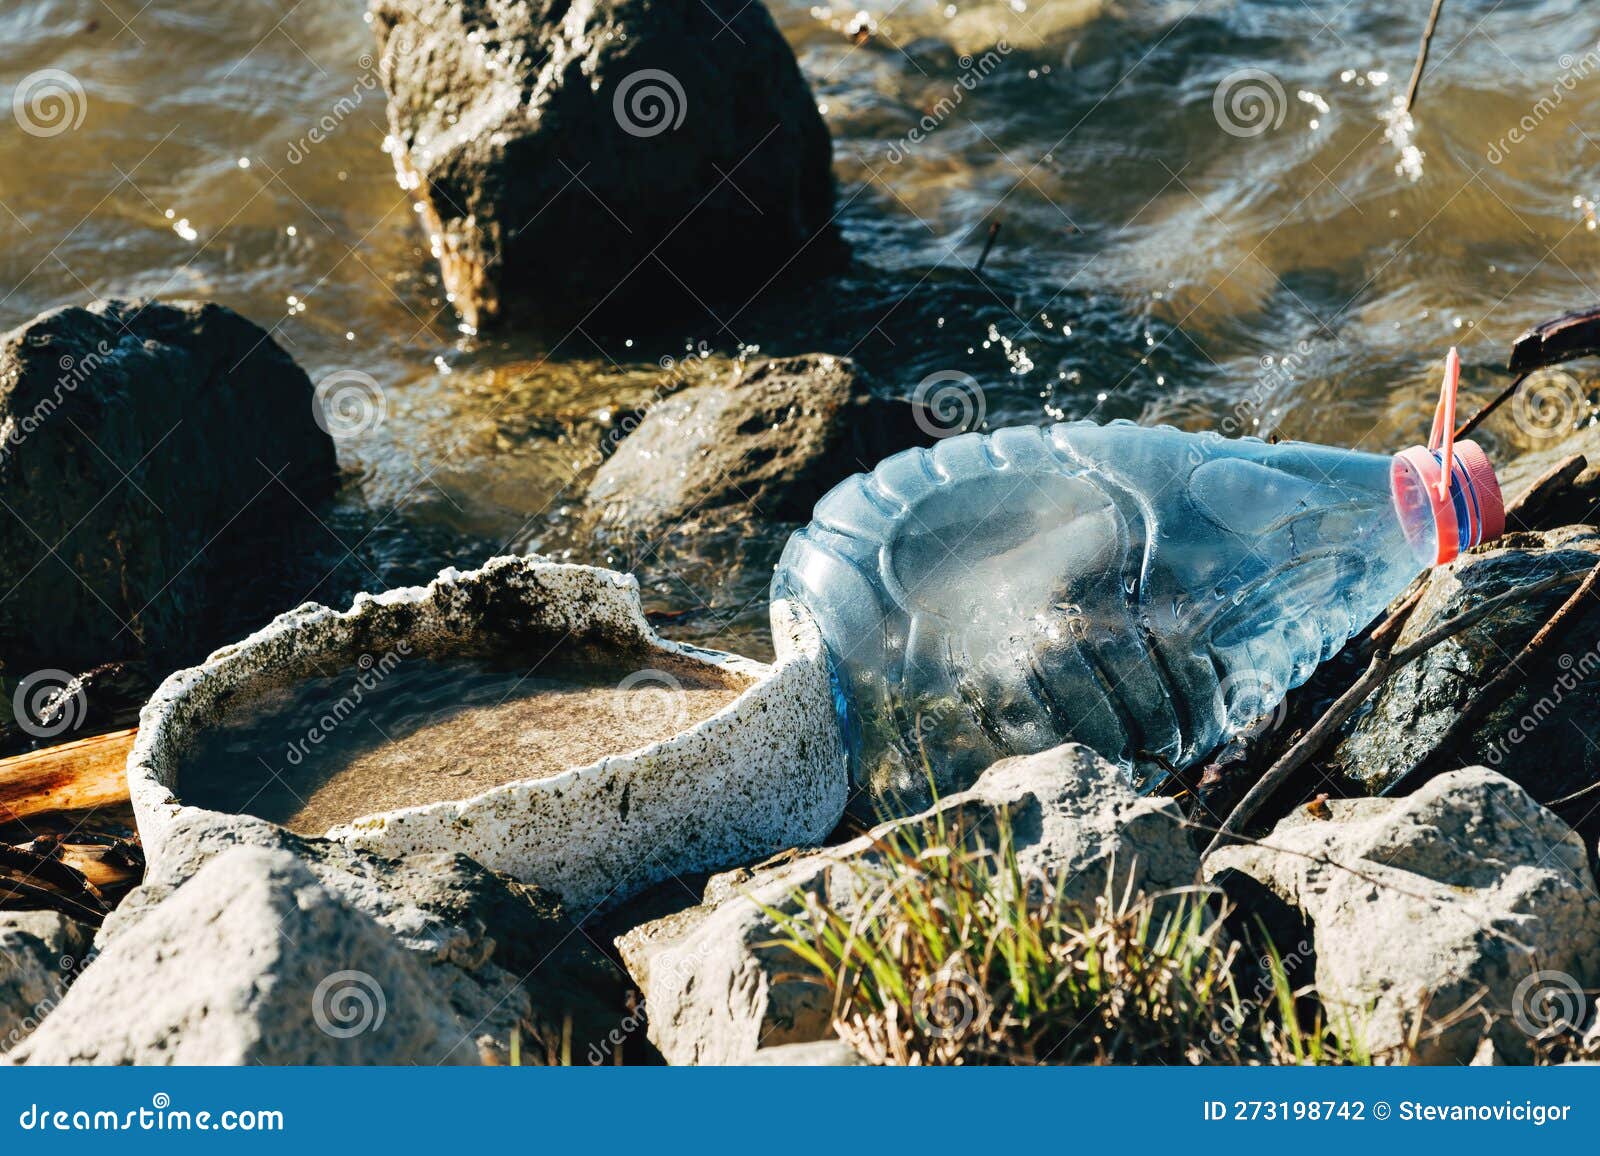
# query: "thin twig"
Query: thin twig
1496,689
1383,634
1544,490
1345,706
1422,54
988,243
1577,796
1489,407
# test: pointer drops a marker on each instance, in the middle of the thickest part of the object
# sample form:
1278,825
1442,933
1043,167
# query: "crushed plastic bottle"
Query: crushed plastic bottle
1145,591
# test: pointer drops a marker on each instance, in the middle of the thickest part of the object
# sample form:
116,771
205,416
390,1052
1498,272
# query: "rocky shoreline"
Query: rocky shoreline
1422,889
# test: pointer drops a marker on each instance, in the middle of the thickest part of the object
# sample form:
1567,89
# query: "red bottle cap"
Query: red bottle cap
1470,510
1464,500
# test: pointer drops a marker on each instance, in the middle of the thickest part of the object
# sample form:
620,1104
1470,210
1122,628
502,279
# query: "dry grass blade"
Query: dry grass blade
945,950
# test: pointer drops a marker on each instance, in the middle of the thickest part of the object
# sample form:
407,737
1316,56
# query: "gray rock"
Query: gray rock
822,1054
131,437
253,962
1544,734
504,954
762,445
41,953
1465,889
717,988
606,152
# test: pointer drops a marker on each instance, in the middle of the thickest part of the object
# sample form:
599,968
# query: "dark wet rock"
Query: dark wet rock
1544,735
760,446
505,955
1465,897
253,961
719,984
141,448
605,153
41,953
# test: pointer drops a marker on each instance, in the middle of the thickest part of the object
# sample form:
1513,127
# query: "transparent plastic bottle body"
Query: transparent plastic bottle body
1142,590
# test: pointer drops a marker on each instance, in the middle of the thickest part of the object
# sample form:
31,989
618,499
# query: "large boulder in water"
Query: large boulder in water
1544,734
140,443
604,152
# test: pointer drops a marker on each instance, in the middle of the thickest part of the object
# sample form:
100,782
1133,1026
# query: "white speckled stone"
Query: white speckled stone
764,773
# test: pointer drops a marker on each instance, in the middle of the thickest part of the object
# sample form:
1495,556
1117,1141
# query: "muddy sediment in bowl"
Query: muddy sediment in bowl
408,731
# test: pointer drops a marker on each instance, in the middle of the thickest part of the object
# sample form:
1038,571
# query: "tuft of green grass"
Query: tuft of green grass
945,950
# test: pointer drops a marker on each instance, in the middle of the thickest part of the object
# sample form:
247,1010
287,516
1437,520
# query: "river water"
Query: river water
1206,219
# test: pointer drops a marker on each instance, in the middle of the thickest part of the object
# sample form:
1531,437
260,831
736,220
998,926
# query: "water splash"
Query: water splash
1400,130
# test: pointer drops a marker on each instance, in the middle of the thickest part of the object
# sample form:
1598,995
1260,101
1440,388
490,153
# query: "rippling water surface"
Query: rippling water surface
1206,219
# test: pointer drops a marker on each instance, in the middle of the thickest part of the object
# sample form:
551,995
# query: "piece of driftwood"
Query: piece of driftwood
1527,510
1422,54
75,776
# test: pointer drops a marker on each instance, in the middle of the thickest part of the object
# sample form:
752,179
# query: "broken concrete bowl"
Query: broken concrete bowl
764,772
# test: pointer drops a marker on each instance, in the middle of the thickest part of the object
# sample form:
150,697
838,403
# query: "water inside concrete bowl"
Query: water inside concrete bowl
401,731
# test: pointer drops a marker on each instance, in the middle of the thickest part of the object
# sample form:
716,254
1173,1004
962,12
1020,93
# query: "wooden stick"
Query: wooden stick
74,776
1544,489
988,243
1422,54
1489,407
